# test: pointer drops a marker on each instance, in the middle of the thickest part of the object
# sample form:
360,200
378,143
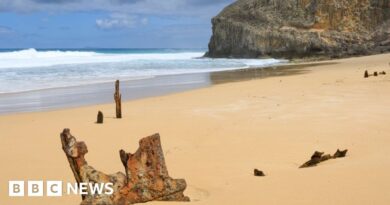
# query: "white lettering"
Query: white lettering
55,188
83,188
74,189
96,188
109,188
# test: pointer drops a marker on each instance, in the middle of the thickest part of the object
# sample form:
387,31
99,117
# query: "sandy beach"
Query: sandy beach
215,136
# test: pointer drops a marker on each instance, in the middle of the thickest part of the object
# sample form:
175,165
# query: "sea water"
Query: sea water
24,70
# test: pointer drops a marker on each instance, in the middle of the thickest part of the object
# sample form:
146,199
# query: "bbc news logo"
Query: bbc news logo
56,188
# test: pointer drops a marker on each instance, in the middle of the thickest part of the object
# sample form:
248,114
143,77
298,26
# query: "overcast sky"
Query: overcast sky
107,23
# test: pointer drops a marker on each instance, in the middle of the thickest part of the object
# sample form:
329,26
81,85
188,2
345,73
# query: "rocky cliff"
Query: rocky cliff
301,28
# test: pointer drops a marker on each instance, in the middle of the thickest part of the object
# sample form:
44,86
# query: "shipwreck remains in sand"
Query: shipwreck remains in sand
146,176
100,117
366,75
118,100
319,157
258,173
376,74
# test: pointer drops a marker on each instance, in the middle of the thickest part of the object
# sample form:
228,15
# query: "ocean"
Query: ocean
23,70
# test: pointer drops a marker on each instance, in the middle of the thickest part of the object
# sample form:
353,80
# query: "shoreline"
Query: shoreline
52,99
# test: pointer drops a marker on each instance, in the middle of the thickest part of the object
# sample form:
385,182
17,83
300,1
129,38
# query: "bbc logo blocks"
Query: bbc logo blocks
55,188
16,188
34,188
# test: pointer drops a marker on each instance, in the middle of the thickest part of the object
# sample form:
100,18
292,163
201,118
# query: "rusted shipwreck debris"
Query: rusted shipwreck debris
118,100
318,157
376,73
258,173
100,117
146,176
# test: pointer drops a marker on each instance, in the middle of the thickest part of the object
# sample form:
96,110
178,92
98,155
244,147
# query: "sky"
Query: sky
107,23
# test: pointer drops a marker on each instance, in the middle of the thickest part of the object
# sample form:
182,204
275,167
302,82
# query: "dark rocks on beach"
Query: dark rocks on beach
366,75
258,173
340,153
316,158
146,176
319,157
301,28
100,118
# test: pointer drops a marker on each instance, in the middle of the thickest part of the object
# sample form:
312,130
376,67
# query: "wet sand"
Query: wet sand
71,97
215,136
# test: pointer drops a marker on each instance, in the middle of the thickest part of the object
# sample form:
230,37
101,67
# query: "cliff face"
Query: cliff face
301,28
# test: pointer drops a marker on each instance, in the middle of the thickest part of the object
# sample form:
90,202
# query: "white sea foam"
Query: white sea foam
30,69
33,58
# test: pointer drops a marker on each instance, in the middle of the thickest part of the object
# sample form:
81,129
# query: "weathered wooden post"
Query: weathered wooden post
118,99
100,118
366,74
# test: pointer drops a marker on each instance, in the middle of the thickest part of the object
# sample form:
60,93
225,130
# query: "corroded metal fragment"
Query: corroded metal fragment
146,177
258,173
319,157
